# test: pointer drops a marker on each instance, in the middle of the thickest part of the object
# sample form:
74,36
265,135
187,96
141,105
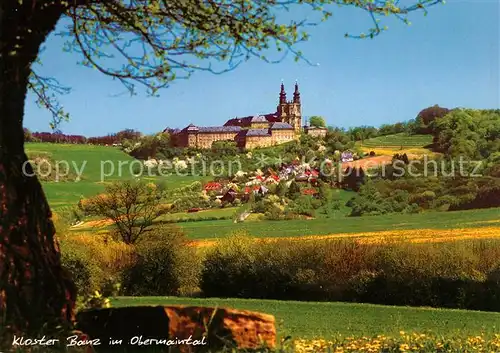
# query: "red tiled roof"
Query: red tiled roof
311,172
248,188
212,186
247,120
309,192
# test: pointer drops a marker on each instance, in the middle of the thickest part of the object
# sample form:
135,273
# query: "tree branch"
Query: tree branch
153,43
46,90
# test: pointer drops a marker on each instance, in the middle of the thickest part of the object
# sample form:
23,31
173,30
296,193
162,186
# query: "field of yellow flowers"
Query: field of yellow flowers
416,152
390,236
404,343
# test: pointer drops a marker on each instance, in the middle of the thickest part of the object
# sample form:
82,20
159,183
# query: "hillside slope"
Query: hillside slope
97,165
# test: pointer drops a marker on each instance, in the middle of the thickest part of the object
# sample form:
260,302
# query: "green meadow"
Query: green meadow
89,156
313,320
100,165
200,216
323,226
398,140
202,225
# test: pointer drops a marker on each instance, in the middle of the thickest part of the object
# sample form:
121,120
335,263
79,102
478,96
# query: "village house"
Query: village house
229,196
316,131
347,156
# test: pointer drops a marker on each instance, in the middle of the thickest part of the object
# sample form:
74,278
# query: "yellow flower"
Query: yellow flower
404,347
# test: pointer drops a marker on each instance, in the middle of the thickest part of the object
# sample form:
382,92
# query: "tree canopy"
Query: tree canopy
467,132
427,116
317,121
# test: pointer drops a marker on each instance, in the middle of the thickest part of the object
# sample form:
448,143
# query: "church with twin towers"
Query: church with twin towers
284,125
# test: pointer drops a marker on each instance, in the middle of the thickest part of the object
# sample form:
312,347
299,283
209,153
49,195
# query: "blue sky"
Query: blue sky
450,58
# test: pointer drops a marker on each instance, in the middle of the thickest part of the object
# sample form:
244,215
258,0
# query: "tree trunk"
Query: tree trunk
35,292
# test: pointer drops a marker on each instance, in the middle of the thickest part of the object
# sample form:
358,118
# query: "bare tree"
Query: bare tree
131,205
152,42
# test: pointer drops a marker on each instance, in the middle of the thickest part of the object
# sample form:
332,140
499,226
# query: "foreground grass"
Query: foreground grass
324,226
314,320
416,342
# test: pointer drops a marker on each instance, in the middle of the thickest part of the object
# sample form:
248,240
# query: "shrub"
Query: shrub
95,261
164,209
454,275
165,264
94,301
239,267
274,212
293,191
226,268
83,268
304,205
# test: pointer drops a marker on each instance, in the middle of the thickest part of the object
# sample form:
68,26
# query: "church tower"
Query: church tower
291,112
282,106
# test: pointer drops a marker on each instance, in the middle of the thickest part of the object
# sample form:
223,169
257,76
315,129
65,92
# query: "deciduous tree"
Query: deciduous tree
317,121
131,205
147,42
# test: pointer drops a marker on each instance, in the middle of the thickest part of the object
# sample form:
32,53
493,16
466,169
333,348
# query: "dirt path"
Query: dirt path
367,163
377,161
91,224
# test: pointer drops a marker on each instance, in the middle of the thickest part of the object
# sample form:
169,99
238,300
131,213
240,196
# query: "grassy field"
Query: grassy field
185,216
95,223
93,156
414,226
313,320
103,164
94,160
398,140
323,226
66,194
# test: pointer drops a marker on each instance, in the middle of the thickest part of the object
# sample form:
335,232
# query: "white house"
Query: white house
347,156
